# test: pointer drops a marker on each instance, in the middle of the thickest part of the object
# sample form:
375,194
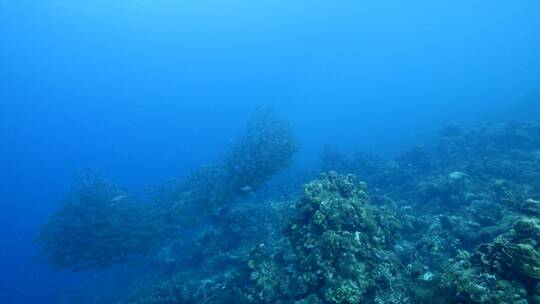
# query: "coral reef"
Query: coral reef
454,222
476,190
340,250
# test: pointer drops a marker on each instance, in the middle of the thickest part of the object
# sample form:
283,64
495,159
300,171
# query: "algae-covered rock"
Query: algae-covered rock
468,282
515,251
526,260
525,226
498,271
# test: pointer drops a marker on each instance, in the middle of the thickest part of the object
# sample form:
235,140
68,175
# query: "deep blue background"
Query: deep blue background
147,90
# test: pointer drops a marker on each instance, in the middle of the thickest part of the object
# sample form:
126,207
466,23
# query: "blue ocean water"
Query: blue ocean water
151,89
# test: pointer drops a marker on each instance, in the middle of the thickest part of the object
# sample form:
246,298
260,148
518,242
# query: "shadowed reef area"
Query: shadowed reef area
454,222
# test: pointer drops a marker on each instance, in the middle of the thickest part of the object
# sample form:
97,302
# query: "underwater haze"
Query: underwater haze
149,148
